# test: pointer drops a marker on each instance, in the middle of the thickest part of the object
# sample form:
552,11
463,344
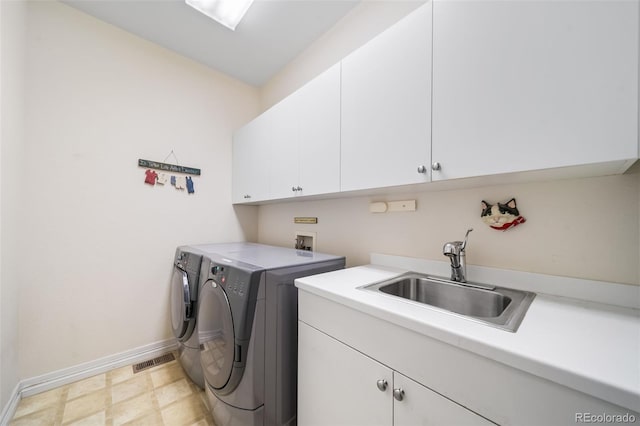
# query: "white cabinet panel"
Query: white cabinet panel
386,106
337,385
422,406
250,163
282,138
527,85
293,148
319,134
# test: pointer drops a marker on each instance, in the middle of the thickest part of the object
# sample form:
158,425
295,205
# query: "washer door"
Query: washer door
216,336
182,319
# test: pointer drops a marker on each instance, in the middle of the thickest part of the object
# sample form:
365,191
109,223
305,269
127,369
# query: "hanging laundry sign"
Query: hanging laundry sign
175,168
178,182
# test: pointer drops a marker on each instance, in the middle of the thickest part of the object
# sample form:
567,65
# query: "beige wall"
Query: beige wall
12,16
585,228
98,242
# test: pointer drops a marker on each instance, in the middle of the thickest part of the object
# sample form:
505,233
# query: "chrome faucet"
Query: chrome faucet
455,251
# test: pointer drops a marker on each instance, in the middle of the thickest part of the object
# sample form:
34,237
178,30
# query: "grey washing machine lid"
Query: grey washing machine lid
182,318
216,335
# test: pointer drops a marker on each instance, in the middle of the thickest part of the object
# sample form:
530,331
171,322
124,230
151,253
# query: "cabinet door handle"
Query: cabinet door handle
398,394
422,169
436,166
382,385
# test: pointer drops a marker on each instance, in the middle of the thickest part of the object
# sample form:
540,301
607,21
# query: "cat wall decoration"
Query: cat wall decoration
501,216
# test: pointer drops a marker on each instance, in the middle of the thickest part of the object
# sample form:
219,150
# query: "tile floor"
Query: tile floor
162,396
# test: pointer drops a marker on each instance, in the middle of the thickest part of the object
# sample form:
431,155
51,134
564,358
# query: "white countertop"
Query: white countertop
590,347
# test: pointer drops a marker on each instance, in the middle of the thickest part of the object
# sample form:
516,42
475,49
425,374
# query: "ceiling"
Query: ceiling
272,33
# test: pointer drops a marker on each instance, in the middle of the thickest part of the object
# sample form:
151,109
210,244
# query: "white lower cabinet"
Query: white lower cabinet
338,385
422,406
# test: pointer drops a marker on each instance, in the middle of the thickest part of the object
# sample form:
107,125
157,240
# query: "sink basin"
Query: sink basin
495,306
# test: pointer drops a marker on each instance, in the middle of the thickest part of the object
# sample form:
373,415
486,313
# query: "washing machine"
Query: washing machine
247,328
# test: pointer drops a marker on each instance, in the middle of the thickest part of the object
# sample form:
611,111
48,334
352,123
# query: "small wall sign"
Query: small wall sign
309,220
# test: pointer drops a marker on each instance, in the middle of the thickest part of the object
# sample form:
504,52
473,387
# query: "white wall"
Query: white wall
98,242
11,141
585,228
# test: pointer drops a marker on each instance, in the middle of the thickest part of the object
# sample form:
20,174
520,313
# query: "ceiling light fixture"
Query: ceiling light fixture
227,12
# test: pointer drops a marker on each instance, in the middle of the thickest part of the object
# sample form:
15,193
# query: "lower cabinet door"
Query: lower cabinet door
419,405
338,385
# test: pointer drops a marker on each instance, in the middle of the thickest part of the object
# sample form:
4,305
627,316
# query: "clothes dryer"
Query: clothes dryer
247,328
185,283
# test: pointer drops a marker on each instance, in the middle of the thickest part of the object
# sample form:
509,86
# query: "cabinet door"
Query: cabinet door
422,406
386,106
319,134
337,384
281,134
526,85
250,163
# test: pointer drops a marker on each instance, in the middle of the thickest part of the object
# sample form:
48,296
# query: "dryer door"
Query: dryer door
182,319
216,336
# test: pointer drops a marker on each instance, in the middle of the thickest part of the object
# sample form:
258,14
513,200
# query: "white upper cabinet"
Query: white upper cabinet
458,89
529,85
282,137
305,139
293,148
319,134
250,163
386,107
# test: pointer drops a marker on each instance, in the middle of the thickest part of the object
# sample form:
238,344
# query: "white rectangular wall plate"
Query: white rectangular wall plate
401,206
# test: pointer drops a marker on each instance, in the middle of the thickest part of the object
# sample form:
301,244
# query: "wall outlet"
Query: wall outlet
305,241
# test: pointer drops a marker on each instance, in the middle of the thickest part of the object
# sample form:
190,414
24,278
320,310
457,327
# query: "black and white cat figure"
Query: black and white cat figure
501,216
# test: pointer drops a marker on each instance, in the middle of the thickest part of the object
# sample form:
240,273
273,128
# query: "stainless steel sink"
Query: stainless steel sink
496,306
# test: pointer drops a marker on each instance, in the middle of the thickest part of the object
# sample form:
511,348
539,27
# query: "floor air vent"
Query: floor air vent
153,362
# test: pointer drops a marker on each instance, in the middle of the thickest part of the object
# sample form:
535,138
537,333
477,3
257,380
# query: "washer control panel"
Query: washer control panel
232,283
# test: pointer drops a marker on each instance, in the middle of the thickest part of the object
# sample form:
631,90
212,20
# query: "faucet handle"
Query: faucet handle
464,244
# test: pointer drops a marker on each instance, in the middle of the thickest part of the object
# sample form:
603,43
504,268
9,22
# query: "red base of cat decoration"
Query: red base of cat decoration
501,216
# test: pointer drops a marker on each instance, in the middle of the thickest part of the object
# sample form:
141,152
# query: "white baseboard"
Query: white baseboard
68,375
7,412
